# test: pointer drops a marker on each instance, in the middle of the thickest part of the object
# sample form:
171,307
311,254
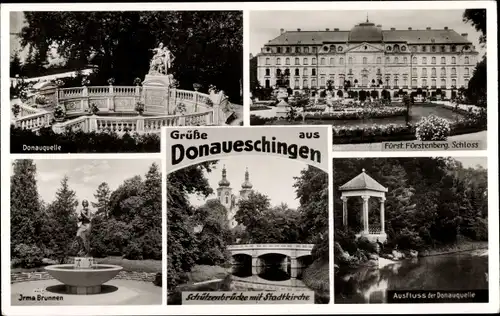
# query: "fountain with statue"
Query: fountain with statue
84,276
144,108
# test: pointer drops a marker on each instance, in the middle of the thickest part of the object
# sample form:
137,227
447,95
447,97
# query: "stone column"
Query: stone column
85,99
293,267
382,214
255,264
344,210
111,99
365,213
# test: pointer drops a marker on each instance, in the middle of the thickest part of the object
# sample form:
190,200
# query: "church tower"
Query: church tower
224,191
246,187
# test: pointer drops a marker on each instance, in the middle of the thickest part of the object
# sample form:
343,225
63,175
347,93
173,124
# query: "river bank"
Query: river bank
317,278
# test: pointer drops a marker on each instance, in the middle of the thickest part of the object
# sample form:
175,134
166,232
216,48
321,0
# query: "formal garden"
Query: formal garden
124,231
122,90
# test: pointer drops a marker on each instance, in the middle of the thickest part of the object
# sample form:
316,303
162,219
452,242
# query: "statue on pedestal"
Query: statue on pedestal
83,233
161,60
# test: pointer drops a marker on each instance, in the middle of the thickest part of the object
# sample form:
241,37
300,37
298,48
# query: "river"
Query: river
459,271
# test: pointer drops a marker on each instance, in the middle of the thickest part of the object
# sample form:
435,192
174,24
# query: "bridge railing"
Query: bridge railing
270,246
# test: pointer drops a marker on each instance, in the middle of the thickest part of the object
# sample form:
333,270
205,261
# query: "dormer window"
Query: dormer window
388,48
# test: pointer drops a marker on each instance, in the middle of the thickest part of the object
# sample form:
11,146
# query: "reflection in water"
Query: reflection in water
463,271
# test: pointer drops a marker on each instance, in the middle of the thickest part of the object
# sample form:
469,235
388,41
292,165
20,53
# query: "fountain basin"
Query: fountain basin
83,280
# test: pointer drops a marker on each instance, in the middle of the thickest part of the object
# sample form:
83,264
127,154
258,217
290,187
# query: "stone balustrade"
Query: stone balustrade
34,121
17,277
271,246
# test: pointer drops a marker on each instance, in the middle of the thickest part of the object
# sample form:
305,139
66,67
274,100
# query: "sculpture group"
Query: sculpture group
161,60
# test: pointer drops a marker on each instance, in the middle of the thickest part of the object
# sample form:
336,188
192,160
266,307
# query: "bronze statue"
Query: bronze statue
83,233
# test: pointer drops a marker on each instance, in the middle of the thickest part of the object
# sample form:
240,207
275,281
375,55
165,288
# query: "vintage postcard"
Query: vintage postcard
247,215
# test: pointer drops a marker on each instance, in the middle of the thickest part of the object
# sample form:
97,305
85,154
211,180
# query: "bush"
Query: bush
27,256
408,239
366,245
134,251
346,239
109,237
151,245
432,128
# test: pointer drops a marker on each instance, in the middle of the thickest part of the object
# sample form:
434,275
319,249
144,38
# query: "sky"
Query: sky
266,25
473,162
85,175
271,176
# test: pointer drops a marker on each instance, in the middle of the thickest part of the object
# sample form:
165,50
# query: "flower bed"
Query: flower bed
358,114
433,128
259,107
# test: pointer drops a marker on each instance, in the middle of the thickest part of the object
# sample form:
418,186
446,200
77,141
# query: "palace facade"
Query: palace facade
369,58
230,200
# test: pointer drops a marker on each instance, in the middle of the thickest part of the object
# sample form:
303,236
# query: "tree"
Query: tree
182,249
102,196
15,65
63,218
477,89
476,17
25,208
207,45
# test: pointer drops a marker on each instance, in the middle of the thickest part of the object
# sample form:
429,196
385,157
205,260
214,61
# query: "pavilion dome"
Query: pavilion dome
363,182
366,32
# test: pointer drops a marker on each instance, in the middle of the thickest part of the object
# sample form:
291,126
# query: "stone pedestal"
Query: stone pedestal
83,290
155,90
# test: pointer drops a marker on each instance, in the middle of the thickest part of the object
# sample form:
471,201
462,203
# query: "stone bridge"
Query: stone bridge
297,253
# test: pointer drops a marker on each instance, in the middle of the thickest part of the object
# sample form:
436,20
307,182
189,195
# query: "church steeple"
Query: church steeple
247,184
224,182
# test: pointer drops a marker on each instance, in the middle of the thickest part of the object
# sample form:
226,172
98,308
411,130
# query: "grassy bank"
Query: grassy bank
458,247
201,273
317,278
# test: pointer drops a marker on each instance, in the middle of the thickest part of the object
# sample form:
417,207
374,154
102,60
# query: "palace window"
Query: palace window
396,60
322,61
424,60
304,61
443,49
304,72
414,72
424,72
288,49
466,83
287,61
287,72
453,48
313,83
433,72
314,61
453,71
296,83
405,81
443,60
304,85
454,83
387,60
379,60
268,72
306,50
396,48
297,72
424,82
340,48
313,72
388,48
433,60
341,61
315,50
414,82
379,72
414,60
278,50
332,61
268,61
453,60
350,60
424,49
405,60
350,71
433,49
278,61
443,71
365,60
332,48
443,82
403,48
278,72
466,60
466,71
322,82
297,62
297,49
267,83
433,82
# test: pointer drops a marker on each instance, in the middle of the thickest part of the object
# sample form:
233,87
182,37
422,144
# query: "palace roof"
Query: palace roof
363,182
370,33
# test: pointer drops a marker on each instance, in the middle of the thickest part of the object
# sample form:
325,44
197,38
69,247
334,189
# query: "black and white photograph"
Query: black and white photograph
248,223
379,77
85,232
411,230
107,81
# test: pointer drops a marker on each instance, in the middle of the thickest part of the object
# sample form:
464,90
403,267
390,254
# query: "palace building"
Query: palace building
368,57
230,200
